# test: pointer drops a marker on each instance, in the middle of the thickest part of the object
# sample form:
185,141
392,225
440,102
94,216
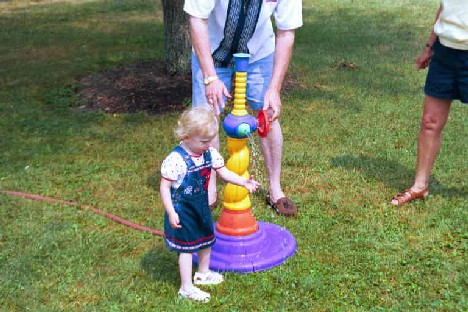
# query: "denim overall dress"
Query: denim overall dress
190,201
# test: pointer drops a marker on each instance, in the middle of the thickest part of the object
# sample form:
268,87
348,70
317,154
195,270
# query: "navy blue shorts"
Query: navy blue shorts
448,74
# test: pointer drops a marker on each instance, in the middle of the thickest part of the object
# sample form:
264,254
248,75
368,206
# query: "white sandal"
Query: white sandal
208,278
195,294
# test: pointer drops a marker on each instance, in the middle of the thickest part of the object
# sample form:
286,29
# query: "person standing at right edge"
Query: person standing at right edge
446,54
221,28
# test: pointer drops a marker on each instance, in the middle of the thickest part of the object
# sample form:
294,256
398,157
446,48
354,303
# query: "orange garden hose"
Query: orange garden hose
85,207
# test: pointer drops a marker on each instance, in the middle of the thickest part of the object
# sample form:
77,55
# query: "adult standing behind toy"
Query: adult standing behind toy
446,54
221,28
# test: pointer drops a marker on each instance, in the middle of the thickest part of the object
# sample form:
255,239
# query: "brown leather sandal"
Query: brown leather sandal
407,196
283,206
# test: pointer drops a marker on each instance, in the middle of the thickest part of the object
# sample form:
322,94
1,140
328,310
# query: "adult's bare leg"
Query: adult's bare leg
272,148
434,119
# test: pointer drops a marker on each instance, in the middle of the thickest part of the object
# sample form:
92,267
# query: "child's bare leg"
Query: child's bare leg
185,269
187,290
204,260
204,276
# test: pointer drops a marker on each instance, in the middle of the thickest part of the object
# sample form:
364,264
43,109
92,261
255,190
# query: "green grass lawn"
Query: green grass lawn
350,144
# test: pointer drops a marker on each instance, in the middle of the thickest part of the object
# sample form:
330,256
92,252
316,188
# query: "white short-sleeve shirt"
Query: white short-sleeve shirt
286,13
174,169
452,24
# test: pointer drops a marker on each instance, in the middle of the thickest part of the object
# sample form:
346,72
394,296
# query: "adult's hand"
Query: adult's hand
272,103
214,95
423,60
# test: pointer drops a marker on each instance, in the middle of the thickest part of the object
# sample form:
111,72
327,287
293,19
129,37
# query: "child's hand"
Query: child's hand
174,220
251,185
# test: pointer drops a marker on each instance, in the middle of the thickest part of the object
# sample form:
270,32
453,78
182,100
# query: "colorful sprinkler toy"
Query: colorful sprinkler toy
243,244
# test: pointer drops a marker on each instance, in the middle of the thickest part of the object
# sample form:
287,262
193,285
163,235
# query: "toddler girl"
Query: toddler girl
188,225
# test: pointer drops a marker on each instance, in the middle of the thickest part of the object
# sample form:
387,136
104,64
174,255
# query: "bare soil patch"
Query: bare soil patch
141,87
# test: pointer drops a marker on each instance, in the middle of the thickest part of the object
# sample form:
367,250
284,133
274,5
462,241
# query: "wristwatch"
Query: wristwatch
208,80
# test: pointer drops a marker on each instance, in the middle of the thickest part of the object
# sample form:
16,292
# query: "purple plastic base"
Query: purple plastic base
270,246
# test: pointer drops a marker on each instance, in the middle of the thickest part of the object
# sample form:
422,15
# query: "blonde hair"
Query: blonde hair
197,121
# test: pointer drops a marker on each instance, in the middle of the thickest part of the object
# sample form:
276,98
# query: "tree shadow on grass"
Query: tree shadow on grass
161,264
392,173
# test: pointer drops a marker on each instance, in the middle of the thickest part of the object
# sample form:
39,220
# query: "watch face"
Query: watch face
209,80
